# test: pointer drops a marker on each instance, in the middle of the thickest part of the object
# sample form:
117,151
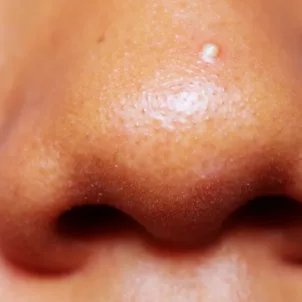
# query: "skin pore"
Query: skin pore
150,150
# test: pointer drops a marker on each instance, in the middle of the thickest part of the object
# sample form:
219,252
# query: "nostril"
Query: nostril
267,212
70,240
274,221
89,221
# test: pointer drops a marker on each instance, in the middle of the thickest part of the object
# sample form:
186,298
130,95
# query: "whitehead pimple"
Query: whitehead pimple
210,52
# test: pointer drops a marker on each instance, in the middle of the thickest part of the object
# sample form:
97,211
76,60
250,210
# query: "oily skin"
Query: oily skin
111,103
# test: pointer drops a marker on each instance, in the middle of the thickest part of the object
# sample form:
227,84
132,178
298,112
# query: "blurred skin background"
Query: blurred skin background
131,169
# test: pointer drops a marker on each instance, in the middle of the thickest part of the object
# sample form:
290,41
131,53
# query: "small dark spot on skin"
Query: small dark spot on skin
100,39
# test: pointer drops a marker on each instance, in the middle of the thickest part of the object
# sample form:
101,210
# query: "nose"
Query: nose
175,140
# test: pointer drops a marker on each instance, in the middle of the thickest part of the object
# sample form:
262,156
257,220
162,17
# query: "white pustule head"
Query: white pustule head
209,52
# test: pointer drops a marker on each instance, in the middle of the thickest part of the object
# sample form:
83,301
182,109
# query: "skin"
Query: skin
109,103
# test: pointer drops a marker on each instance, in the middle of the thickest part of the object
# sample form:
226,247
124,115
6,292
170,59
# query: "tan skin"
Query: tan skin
110,103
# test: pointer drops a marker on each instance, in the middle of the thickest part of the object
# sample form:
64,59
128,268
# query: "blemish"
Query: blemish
100,39
210,52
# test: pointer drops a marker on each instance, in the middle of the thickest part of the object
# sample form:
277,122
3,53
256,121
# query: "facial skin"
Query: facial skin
111,103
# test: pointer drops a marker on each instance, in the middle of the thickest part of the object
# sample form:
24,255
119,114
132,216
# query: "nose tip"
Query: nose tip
178,191
173,164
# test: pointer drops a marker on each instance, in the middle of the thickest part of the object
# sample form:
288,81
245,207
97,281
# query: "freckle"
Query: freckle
210,52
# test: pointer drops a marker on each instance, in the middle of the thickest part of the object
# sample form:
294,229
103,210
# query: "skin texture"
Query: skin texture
110,103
